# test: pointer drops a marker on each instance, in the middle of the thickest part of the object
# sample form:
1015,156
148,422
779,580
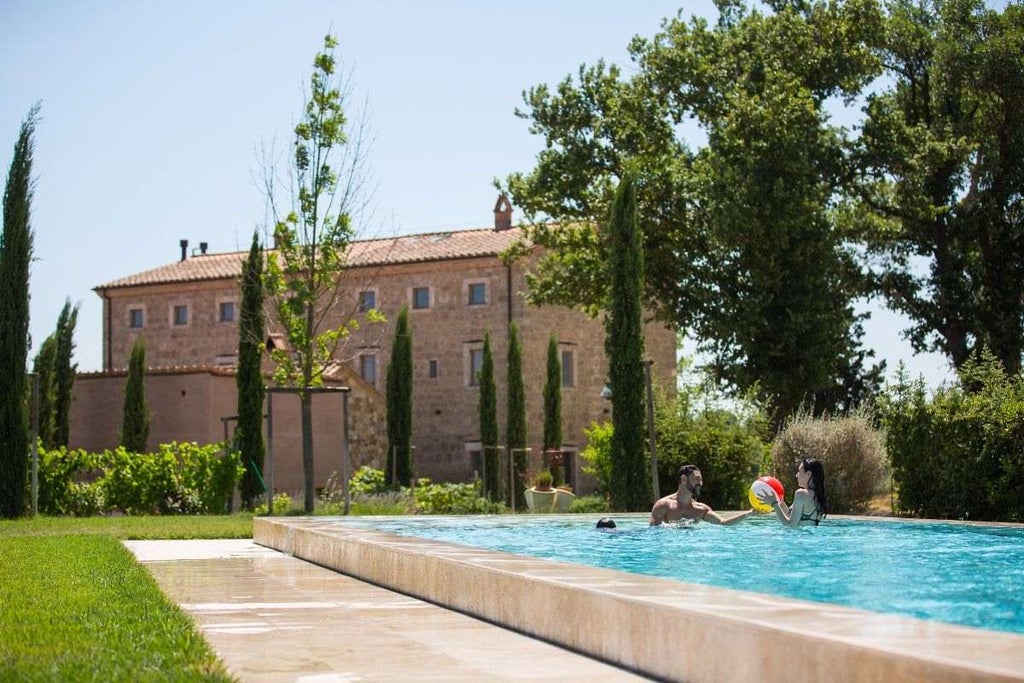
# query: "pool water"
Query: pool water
956,573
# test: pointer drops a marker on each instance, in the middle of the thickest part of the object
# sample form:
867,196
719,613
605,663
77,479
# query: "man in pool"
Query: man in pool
681,504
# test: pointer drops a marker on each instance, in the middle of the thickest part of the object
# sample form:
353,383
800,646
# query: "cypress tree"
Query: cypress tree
44,365
15,256
64,374
135,428
399,401
624,344
515,437
553,409
489,423
249,378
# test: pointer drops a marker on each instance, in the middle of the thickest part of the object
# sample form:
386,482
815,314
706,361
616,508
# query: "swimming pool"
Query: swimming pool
962,574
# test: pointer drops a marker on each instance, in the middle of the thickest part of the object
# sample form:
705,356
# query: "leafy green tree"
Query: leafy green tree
553,408
64,374
399,467
43,366
15,256
624,344
303,279
742,252
135,424
515,435
941,174
489,423
249,378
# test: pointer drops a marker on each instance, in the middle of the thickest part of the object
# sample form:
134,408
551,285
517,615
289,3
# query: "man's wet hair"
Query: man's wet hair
606,523
686,470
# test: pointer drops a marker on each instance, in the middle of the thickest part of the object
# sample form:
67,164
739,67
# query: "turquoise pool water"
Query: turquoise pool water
956,573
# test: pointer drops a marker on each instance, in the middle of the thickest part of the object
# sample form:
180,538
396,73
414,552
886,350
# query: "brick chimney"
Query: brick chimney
502,214
203,246
184,249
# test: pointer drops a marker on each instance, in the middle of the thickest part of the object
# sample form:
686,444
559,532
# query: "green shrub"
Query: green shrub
452,499
851,450
597,455
60,471
367,480
283,505
84,500
961,454
589,504
181,478
728,445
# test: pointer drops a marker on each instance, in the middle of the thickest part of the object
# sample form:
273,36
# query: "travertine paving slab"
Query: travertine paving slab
272,617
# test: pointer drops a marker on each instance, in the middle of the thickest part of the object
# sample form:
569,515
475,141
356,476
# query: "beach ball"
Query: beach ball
761,486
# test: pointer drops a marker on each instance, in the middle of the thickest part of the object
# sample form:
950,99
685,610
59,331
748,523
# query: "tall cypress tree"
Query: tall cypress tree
43,365
15,256
515,436
489,423
249,378
624,344
553,409
64,374
399,399
135,427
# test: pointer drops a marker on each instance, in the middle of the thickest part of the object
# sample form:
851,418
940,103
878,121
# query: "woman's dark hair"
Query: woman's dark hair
817,471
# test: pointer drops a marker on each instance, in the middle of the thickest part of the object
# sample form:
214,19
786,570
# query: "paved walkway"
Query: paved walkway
272,617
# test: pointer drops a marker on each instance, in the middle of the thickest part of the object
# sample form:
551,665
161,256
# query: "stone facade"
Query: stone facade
466,291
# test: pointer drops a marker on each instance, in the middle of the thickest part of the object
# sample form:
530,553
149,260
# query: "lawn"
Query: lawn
78,607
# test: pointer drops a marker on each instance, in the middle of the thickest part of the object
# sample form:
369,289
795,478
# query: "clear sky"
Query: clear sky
153,111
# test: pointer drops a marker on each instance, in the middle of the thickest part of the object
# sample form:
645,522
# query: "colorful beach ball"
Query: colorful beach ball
760,487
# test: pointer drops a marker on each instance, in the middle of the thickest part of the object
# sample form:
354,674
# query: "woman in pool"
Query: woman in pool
810,503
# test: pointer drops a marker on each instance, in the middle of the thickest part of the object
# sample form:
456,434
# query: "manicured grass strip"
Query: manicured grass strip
134,528
82,609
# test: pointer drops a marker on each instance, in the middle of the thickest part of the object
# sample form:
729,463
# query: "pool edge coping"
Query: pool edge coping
726,634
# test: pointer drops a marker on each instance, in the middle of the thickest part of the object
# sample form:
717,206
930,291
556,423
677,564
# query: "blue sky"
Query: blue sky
152,113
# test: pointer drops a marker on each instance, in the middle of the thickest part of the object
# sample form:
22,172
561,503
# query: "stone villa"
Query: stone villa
457,288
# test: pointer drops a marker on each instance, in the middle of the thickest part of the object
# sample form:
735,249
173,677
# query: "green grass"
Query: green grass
133,528
76,606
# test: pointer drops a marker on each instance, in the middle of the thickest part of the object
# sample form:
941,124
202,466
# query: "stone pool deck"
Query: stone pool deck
664,629
274,618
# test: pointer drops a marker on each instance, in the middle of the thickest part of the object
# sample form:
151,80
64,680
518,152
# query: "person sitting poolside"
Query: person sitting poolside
682,506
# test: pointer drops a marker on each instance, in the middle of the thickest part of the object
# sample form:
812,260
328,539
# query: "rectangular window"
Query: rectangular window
227,311
368,368
367,301
568,370
432,369
181,315
477,294
136,318
476,361
421,297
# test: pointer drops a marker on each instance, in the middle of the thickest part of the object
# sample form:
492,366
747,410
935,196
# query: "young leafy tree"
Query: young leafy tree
135,425
64,374
15,256
489,423
249,378
43,366
399,400
624,344
515,435
303,277
553,407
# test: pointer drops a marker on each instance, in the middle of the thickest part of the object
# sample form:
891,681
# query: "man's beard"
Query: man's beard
694,490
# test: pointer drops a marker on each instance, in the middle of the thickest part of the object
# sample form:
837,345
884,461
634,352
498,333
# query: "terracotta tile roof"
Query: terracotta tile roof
437,246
